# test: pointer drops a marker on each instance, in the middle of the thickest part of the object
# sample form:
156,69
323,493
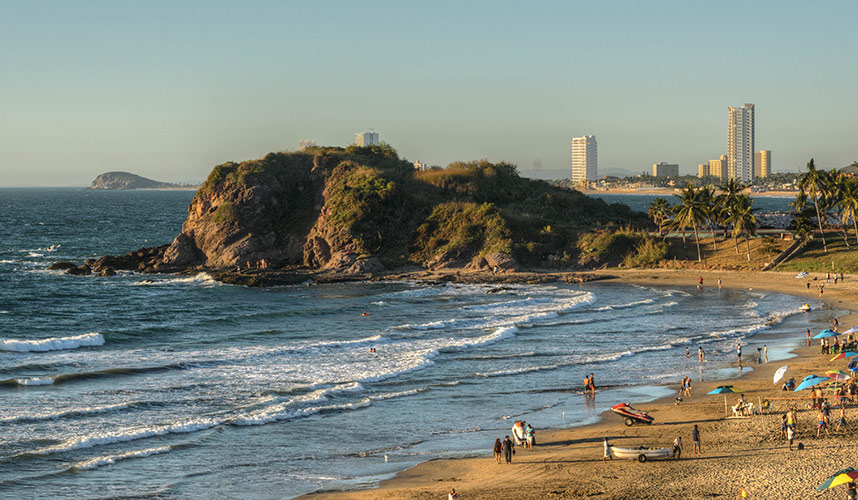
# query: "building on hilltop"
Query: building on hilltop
419,166
740,143
364,139
763,163
662,169
703,170
584,159
718,168
306,143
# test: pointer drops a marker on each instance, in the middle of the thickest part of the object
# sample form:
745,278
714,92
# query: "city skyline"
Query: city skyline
170,90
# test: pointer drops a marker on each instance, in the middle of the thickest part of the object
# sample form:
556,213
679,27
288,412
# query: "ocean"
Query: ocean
179,387
641,202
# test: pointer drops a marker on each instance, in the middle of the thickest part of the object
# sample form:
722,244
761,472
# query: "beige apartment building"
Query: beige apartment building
662,169
740,143
703,170
763,163
718,168
584,159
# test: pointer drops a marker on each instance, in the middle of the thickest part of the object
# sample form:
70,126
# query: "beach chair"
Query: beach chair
743,410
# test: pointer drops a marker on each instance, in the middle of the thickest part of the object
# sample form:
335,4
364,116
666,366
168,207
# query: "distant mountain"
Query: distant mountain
126,180
617,172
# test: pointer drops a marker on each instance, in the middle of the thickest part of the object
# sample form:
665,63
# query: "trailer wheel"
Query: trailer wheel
641,458
630,422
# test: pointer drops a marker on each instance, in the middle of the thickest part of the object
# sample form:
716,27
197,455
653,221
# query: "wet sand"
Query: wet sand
745,453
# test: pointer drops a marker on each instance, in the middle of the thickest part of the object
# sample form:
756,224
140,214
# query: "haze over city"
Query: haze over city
170,90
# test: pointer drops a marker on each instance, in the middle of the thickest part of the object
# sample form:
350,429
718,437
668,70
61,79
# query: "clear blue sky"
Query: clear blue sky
169,89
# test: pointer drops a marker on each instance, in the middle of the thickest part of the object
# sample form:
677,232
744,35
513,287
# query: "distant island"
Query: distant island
126,180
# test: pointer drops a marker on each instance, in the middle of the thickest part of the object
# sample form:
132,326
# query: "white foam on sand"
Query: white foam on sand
52,344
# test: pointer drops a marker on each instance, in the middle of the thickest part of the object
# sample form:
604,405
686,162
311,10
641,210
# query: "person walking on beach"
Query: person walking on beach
529,438
792,420
695,440
765,353
452,495
842,421
677,447
507,449
496,451
790,436
784,426
739,353
586,386
821,423
835,323
607,450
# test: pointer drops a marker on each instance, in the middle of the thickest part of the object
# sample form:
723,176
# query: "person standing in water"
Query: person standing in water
592,386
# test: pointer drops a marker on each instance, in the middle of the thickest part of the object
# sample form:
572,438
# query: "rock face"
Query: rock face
357,210
125,180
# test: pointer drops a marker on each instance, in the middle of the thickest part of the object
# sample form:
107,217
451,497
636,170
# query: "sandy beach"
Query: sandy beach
737,454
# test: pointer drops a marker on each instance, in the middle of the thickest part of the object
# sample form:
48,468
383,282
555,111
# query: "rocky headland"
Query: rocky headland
127,181
359,212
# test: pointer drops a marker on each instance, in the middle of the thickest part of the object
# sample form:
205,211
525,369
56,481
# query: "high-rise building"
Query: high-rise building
662,169
718,168
364,139
763,163
703,170
584,159
740,143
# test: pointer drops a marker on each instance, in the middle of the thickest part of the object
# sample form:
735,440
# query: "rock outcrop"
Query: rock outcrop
126,180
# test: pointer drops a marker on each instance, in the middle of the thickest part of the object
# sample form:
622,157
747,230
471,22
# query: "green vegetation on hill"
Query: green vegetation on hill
377,204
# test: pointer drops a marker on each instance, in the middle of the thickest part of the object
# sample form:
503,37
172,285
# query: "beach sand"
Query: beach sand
737,454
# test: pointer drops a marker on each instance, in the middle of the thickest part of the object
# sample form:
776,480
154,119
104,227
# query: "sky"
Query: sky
169,89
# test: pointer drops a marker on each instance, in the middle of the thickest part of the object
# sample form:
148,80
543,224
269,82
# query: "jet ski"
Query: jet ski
631,415
805,308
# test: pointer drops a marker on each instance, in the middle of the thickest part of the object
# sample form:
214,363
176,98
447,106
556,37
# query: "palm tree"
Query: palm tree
811,182
744,221
834,189
848,203
725,201
707,197
691,212
659,212
802,219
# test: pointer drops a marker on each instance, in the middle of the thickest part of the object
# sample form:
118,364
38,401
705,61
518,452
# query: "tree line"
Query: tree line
829,195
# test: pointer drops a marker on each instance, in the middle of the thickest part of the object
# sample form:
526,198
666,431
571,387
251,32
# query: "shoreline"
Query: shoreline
579,447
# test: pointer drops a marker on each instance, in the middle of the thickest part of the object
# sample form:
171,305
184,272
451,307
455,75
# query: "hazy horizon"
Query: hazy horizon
167,91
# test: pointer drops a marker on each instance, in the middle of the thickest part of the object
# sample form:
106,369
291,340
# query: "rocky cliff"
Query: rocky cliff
125,180
357,210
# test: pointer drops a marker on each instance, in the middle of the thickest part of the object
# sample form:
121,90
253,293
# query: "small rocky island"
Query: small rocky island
127,181
361,211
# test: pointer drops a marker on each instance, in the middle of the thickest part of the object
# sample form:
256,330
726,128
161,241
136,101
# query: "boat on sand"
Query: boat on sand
642,453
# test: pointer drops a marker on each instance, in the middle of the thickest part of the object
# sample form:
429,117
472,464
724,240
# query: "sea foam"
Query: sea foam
52,344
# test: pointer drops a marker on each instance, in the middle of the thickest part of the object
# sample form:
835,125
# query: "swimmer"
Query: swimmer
365,314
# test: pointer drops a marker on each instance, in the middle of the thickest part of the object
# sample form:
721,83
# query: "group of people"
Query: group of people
685,389
589,386
523,434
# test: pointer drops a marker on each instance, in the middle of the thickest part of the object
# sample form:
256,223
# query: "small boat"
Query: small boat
805,308
632,415
642,453
801,275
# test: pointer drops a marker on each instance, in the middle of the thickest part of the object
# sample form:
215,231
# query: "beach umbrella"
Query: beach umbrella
725,389
838,375
780,373
844,355
854,329
810,381
828,332
842,476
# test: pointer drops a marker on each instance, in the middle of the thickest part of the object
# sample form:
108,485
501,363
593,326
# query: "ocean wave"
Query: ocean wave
52,344
197,279
434,325
72,412
97,462
28,381
625,306
102,439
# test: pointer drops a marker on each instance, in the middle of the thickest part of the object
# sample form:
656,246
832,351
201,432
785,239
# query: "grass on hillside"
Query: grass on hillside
684,255
814,259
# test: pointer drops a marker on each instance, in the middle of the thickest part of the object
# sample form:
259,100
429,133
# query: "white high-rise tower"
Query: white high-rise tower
740,143
584,159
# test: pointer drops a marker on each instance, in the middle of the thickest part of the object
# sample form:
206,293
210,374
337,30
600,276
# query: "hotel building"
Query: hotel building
740,143
584,159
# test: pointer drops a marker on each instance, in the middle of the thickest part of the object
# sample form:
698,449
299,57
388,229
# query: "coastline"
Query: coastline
675,190
567,461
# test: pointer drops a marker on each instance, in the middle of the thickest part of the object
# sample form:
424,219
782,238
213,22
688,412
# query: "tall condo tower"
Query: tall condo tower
740,143
364,139
584,159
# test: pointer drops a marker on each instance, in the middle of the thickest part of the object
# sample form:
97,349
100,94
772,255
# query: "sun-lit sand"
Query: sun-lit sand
737,453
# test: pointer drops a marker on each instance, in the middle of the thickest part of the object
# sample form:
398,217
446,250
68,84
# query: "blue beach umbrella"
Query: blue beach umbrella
828,332
725,389
810,381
